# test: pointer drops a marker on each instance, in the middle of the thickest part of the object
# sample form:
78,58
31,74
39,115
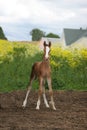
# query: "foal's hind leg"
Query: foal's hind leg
51,93
29,89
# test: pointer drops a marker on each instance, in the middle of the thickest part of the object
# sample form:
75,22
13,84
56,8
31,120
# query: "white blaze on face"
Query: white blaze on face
47,52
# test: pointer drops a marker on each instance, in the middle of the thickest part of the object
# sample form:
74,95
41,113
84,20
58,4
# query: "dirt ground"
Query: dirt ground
71,113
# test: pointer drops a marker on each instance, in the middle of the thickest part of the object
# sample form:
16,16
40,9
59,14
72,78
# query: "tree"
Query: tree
52,35
2,35
37,34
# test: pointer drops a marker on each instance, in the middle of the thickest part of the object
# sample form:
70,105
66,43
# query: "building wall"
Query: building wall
81,43
54,41
63,43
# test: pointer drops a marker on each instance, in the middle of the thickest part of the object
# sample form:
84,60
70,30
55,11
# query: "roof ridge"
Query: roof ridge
75,29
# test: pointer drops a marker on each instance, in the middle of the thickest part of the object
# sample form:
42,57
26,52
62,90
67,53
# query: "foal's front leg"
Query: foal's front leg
44,97
51,93
39,93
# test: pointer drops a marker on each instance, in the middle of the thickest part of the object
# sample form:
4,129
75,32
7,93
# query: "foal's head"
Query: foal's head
46,50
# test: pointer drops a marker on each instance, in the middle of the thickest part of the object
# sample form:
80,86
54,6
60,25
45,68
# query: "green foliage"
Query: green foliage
69,67
52,35
37,34
2,35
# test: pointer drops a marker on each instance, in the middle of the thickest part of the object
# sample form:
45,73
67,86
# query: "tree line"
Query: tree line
36,34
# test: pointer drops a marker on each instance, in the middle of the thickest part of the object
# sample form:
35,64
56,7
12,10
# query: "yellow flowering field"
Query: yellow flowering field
69,66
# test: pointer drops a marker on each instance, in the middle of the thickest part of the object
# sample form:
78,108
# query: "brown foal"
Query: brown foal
42,71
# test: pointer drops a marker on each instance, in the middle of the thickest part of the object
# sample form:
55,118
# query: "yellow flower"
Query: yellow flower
83,53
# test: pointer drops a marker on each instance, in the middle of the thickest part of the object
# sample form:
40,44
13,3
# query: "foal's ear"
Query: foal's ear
49,44
44,43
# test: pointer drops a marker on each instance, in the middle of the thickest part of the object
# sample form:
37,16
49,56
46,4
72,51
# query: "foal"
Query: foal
42,71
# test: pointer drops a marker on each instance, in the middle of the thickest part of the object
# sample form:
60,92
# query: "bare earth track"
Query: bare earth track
71,113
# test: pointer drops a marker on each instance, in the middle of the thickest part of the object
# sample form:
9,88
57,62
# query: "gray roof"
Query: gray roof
72,35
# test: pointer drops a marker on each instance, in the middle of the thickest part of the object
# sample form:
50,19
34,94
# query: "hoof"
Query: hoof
52,105
47,106
24,104
54,108
37,108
